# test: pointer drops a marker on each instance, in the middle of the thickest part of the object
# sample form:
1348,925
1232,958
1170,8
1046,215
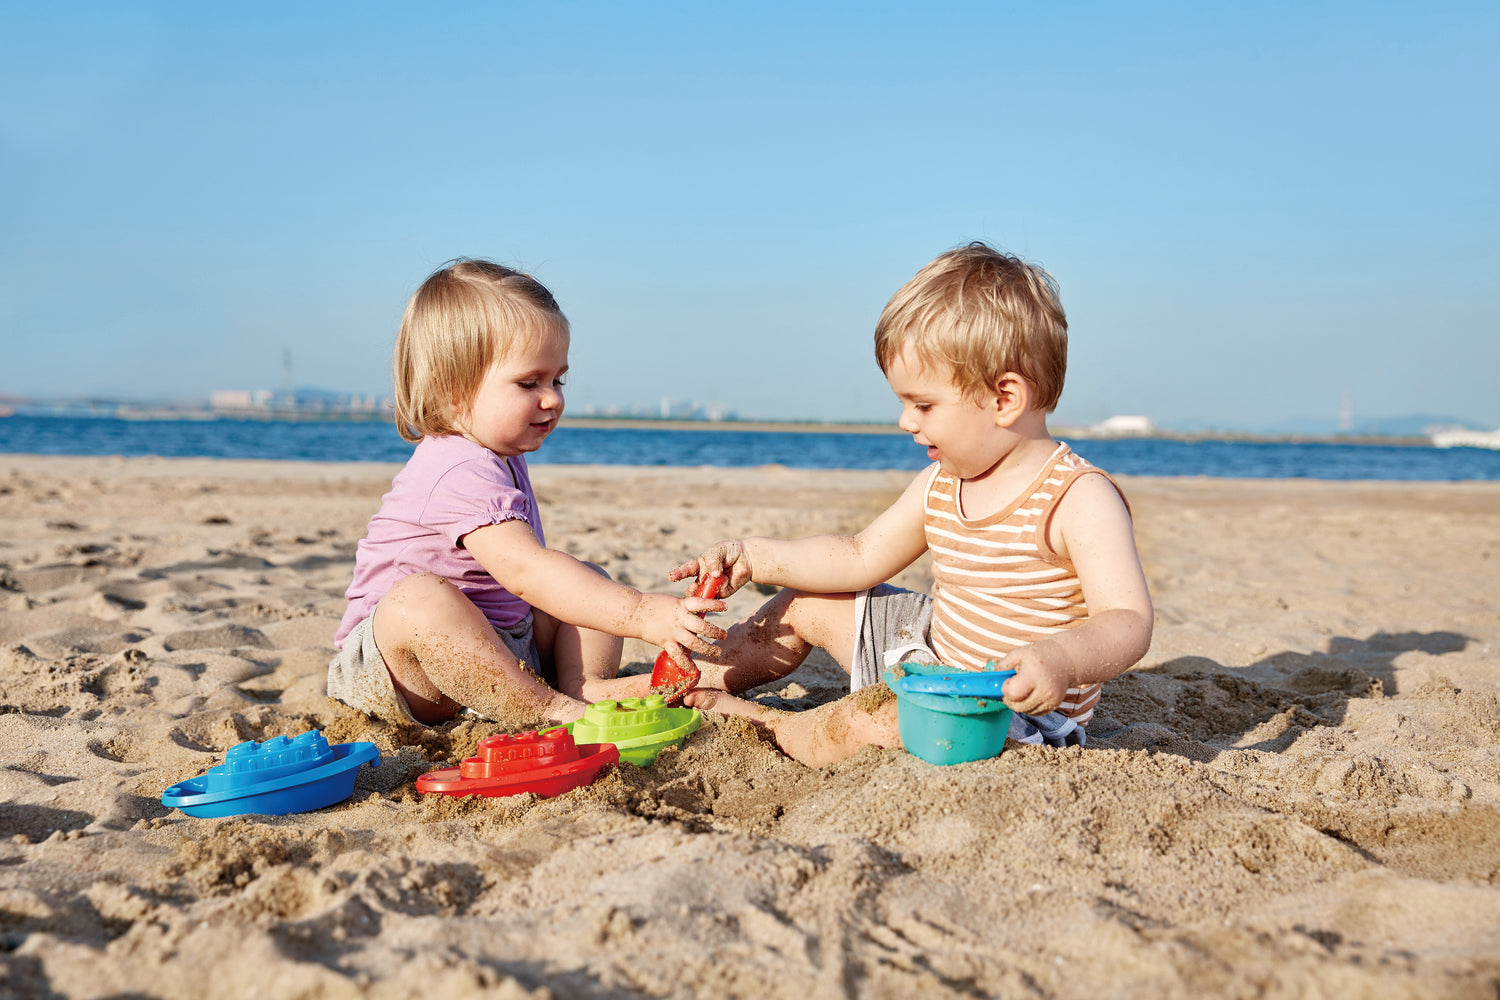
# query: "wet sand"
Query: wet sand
1297,793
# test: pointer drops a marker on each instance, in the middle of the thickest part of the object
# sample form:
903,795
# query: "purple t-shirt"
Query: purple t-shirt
449,487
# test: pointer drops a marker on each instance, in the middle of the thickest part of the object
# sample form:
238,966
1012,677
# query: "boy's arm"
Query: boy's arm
1092,528
822,564
568,590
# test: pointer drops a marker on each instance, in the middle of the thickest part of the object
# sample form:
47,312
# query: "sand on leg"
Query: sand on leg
442,654
823,735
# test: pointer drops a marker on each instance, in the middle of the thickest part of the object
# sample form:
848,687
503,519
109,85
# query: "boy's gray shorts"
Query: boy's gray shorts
892,626
358,676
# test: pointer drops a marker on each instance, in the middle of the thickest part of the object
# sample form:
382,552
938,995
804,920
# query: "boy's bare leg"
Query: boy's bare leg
443,654
771,644
776,639
823,735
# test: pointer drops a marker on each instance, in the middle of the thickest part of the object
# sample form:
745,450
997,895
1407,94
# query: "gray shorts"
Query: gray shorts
892,627
358,676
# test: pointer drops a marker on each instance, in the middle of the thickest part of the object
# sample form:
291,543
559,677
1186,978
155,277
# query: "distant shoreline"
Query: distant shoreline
788,426
752,426
1072,433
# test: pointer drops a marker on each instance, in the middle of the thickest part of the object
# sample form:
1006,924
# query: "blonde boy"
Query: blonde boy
1034,561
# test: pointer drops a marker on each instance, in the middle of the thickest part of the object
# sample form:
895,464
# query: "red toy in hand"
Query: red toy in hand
671,679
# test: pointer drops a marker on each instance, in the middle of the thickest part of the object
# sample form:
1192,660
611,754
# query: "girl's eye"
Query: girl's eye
560,381
527,385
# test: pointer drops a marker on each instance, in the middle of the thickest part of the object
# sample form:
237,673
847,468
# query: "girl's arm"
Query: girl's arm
568,590
823,564
1093,529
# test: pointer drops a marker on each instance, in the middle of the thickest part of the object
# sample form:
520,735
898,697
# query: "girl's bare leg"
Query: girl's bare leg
776,639
443,654
587,662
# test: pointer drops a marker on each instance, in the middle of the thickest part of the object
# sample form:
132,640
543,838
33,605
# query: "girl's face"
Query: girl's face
519,399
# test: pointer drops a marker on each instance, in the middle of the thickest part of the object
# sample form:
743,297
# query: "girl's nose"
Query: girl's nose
908,420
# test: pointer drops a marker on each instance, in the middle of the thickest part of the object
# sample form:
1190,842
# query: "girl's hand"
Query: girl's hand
1044,672
727,559
676,626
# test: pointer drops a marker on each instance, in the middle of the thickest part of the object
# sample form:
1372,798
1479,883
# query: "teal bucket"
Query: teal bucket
946,728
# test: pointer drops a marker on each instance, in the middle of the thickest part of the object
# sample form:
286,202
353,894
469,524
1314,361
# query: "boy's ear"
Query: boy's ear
1012,398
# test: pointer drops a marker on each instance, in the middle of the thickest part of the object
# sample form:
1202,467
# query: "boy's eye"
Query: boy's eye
560,381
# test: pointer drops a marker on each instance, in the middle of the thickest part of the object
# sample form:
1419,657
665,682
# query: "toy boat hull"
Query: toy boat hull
641,728
545,781
309,789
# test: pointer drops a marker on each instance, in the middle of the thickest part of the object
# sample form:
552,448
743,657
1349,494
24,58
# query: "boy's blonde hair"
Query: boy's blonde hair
979,313
467,315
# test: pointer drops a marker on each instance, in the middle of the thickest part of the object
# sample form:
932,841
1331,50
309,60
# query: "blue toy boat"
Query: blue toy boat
280,776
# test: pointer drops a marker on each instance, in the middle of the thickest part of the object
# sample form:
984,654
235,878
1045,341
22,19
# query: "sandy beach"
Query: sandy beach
1296,793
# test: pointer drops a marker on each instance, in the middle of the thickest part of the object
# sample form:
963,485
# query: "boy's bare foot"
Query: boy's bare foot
819,736
724,703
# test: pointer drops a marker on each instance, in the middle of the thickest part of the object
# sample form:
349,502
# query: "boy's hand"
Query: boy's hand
727,559
1044,672
676,626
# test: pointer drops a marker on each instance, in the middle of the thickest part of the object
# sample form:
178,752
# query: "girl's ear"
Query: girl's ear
1012,399
458,416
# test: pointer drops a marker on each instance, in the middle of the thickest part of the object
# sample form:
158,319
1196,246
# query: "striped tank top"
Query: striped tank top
997,583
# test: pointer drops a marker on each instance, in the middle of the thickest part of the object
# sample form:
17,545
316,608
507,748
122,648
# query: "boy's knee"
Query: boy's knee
825,620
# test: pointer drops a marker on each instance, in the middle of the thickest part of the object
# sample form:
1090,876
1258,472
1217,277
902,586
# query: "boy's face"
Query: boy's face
519,399
960,432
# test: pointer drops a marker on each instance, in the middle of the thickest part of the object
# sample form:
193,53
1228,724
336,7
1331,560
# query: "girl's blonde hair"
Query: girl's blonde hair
978,313
467,315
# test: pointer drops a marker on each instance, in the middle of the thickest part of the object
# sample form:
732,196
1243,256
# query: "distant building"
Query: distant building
229,401
1124,426
1462,437
303,402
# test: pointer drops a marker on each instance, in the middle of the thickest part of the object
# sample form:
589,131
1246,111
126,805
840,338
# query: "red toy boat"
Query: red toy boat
544,763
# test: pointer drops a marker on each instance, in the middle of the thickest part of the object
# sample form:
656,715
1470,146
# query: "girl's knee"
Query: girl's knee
422,585
420,599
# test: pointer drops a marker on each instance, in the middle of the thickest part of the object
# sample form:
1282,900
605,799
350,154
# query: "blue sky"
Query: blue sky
1253,211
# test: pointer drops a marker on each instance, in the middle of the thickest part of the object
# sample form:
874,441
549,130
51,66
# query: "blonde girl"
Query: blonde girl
456,600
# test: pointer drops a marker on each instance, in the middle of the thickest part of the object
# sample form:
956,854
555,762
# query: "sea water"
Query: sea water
377,441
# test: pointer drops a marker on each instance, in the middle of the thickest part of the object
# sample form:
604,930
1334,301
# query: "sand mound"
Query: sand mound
1298,793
